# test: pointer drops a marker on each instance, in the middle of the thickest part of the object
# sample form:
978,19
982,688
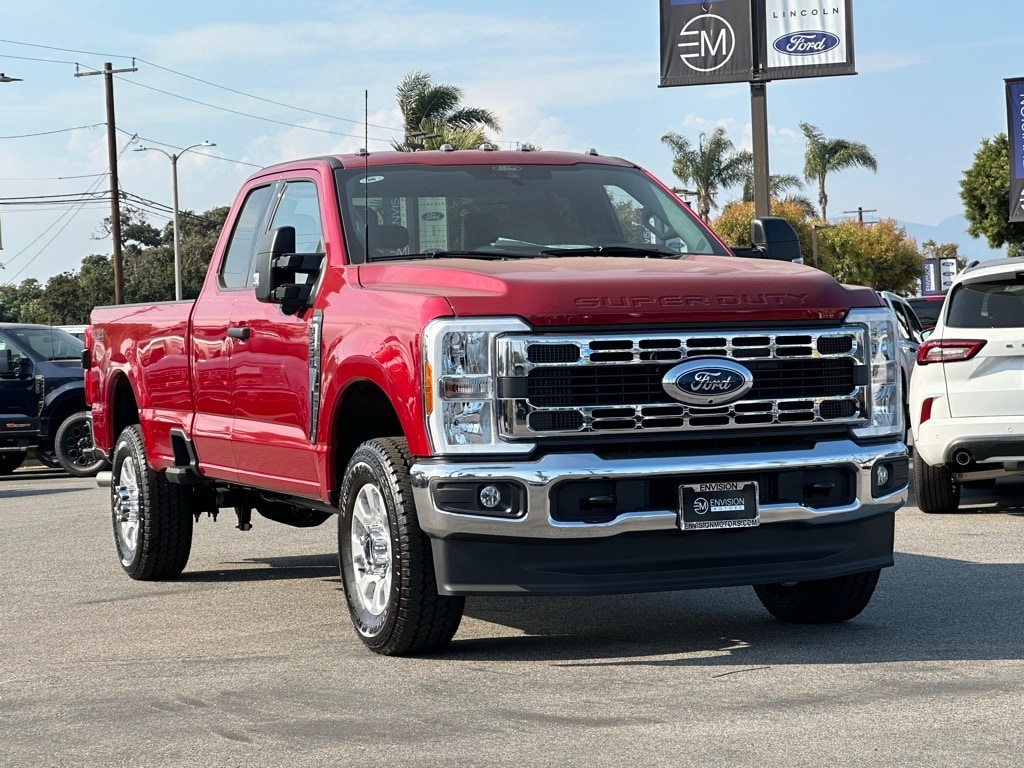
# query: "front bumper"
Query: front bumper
545,549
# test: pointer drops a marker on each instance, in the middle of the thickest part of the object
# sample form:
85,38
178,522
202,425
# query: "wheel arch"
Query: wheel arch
364,412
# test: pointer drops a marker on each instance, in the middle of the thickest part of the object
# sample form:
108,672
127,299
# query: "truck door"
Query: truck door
19,401
212,346
270,368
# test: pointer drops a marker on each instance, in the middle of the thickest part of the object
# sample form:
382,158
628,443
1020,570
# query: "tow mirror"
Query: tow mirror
12,366
776,239
282,276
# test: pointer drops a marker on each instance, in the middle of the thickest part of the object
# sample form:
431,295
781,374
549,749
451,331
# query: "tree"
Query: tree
433,114
712,165
985,192
938,251
880,255
777,185
825,156
733,226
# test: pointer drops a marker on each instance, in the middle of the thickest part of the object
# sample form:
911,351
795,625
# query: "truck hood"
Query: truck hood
570,290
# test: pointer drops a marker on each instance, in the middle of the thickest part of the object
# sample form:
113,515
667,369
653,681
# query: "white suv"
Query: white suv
967,391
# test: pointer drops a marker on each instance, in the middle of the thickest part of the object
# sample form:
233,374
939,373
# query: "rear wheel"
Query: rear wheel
11,460
73,446
387,568
936,491
826,601
152,517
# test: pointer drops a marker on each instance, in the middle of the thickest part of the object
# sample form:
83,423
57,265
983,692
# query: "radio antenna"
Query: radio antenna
366,173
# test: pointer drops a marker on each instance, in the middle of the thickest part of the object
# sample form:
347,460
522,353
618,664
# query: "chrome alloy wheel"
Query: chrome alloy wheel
124,501
371,550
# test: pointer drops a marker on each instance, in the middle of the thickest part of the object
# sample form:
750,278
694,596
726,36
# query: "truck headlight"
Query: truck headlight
459,384
882,357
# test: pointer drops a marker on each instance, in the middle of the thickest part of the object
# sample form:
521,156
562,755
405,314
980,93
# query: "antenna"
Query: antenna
366,174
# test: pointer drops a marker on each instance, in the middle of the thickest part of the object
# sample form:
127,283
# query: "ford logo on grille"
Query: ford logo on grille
806,43
708,381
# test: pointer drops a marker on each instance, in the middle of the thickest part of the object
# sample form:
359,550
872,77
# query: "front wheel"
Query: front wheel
826,601
152,518
73,446
387,568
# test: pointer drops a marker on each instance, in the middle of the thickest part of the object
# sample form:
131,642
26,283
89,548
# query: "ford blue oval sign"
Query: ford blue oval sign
806,43
708,381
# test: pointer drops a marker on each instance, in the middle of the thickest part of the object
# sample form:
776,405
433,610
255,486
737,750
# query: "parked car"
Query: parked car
911,337
966,403
42,400
928,309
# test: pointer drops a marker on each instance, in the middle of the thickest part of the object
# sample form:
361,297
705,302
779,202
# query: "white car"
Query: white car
967,391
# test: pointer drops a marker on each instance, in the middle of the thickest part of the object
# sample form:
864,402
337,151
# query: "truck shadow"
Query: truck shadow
270,569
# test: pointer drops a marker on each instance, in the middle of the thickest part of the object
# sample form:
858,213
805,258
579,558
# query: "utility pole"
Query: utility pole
115,200
860,213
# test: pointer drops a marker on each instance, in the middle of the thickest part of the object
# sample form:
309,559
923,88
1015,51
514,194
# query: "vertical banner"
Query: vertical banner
1015,135
808,38
704,42
930,277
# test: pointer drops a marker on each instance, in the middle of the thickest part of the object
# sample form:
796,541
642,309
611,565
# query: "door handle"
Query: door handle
239,332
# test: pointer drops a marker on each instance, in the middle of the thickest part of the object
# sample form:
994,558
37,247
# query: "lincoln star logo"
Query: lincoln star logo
708,381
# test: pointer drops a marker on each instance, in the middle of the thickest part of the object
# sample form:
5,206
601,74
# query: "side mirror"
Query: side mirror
776,239
283,276
12,366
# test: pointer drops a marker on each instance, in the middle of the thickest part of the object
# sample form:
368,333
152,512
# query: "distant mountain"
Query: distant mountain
953,230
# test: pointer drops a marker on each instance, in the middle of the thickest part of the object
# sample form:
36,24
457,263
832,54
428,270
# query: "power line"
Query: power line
50,133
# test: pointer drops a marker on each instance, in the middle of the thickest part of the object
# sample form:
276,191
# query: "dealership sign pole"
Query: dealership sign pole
1015,134
755,41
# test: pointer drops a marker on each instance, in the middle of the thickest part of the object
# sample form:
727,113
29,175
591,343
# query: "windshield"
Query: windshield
509,211
47,343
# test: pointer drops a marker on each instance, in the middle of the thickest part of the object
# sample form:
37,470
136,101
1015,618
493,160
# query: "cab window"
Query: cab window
236,270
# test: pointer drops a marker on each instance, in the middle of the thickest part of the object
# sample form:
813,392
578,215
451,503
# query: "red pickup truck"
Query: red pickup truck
507,372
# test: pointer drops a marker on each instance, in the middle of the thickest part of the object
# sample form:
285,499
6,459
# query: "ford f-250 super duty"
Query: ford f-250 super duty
507,372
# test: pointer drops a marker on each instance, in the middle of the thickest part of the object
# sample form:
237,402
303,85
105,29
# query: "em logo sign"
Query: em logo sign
707,42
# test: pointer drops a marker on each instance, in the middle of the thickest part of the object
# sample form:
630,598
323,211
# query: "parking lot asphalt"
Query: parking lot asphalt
248,659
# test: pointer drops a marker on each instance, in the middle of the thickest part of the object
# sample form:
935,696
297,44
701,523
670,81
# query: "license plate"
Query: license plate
704,506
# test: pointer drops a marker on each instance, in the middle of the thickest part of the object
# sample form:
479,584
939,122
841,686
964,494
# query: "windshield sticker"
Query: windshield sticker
371,179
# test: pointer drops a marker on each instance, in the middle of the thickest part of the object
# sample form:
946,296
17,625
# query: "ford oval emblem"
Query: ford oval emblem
806,43
708,381
432,216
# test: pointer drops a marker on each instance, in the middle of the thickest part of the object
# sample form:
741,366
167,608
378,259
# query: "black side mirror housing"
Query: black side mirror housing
283,276
776,239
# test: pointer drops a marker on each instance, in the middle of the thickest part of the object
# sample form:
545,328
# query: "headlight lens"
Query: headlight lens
459,384
882,356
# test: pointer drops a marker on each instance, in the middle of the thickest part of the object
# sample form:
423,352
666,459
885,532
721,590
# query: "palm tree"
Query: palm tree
433,115
713,164
826,155
777,185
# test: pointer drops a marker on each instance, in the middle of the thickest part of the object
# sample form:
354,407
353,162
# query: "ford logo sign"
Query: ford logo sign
432,216
806,43
708,381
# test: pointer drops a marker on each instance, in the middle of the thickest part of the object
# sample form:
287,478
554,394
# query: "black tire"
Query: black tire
73,446
152,518
387,568
936,491
828,601
11,460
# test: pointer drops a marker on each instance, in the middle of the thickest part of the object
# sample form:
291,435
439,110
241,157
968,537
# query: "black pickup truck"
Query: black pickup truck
42,400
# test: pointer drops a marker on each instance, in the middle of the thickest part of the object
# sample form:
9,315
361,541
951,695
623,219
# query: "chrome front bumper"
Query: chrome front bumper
539,478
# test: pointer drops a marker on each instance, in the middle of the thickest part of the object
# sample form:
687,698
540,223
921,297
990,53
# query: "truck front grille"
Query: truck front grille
557,385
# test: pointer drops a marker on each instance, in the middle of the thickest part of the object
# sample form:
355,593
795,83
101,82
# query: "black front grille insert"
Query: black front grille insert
610,385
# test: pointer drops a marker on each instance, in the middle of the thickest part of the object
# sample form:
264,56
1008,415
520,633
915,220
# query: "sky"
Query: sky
278,81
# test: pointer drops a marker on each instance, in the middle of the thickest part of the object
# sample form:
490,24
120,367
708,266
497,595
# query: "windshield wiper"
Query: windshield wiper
612,250
487,255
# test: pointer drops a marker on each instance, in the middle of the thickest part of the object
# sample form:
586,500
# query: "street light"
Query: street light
174,183
8,79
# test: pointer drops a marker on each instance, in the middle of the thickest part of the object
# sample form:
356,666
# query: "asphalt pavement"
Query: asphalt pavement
249,659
